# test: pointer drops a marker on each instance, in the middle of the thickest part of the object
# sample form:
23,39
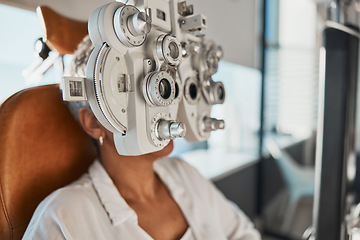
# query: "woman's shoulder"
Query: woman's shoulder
71,198
63,210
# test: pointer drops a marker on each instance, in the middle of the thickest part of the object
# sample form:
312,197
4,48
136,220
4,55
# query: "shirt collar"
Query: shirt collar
172,172
114,204
164,168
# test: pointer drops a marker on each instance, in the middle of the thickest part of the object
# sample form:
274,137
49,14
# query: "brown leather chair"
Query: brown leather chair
42,147
61,33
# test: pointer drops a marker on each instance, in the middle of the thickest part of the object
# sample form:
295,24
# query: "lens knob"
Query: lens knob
213,124
193,48
159,89
131,26
168,49
139,24
169,129
217,93
219,52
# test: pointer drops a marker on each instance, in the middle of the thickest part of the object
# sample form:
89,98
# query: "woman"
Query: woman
135,197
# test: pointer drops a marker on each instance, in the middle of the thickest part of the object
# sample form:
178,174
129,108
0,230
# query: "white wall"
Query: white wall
231,23
235,25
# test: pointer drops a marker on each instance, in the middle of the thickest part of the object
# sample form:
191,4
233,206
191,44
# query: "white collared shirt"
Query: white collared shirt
92,208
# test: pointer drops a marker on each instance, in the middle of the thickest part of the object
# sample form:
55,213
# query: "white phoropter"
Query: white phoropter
148,79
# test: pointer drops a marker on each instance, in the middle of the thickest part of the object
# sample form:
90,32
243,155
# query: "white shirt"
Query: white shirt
92,208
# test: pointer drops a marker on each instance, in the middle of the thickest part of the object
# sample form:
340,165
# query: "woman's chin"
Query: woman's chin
165,151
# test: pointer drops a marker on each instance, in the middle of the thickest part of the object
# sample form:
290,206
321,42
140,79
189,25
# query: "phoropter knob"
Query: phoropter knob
159,89
213,124
169,129
131,26
139,24
219,52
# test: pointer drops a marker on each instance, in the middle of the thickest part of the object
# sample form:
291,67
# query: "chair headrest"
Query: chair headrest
61,33
42,148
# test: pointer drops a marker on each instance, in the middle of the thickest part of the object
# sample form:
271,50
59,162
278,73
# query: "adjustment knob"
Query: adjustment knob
213,124
139,24
212,61
190,48
212,57
219,52
168,49
169,129
131,26
194,48
216,92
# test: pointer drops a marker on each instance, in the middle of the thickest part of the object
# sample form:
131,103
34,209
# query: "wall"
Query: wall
236,25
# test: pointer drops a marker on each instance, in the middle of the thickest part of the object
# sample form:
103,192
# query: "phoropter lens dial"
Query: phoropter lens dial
214,92
168,49
212,57
159,88
139,24
131,25
217,93
192,91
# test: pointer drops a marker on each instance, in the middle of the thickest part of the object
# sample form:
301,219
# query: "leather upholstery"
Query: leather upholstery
61,33
42,148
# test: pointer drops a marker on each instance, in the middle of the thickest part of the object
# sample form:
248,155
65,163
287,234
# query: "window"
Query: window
292,56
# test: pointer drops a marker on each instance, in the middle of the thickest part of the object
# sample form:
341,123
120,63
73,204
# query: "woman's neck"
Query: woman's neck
133,176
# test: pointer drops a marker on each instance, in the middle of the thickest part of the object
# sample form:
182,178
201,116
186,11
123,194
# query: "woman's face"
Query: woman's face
158,154
94,129
165,151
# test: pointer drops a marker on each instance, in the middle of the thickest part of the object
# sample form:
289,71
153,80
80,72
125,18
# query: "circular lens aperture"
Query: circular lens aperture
159,88
165,88
168,49
174,50
177,90
193,91
216,93
221,92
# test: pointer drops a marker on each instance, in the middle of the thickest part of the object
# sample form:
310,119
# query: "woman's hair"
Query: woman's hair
77,68
80,58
